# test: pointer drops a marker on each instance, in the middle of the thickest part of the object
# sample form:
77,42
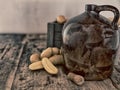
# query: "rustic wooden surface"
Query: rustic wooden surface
14,73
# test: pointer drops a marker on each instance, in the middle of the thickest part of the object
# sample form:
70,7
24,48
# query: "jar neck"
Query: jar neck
90,7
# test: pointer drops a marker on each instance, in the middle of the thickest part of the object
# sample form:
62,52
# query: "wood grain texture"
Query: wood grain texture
24,79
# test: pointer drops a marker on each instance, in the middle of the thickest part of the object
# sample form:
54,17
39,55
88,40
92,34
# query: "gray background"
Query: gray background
31,16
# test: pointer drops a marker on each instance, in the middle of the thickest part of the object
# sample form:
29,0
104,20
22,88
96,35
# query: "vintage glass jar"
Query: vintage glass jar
90,42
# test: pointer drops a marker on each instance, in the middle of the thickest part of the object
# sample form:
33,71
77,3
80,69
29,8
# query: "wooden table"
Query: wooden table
15,50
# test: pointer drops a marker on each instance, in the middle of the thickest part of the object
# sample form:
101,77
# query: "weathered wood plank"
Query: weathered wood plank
8,55
7,64
13,72
41,80
24,79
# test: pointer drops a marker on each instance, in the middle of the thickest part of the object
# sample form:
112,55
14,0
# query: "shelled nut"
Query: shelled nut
48,66
35,57
47,53
36,65
61,19
77,79
55,50
57,59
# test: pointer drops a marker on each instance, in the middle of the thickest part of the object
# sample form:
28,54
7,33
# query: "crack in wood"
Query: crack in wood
17,61
5,50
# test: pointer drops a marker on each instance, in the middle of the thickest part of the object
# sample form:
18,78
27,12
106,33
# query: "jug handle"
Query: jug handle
98,9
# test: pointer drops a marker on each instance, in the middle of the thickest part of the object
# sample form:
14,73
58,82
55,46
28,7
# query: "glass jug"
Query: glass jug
90,42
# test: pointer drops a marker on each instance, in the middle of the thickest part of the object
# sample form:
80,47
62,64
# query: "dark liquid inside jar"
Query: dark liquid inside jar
88,49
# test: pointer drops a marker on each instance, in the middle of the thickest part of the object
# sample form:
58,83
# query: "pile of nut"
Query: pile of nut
47,59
